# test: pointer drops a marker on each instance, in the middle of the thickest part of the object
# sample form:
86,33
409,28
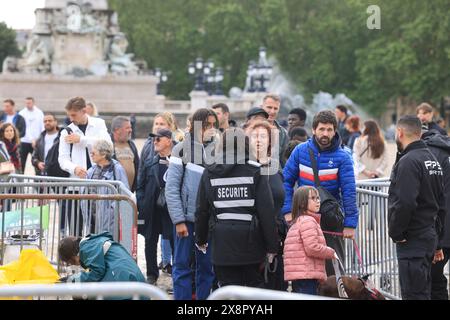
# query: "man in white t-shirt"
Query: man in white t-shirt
34,119
44,143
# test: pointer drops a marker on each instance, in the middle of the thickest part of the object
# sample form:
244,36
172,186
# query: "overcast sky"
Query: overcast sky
19,14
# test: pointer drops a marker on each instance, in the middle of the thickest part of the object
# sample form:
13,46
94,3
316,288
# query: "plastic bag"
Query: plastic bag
31,268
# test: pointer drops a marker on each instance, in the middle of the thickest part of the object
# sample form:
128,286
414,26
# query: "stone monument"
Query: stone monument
77,49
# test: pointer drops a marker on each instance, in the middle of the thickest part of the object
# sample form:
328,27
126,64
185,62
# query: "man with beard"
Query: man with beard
125,150
335,171
44,143
416,210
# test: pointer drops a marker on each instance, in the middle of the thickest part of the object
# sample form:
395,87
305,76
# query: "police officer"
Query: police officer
415,202
439,146
238,203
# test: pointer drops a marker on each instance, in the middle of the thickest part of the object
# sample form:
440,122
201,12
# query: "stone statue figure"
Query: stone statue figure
74,18
121,62
37,57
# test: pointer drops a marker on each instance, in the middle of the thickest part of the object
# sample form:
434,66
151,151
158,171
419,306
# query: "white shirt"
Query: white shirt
48,142
95,130
9,119
34,120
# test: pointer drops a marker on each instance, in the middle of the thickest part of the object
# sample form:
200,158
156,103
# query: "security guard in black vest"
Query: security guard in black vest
416,210
236,205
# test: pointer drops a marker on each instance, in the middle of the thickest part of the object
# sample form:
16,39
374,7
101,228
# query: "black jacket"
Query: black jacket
416,194
146,195
236,242
136,162
439,145
39,152
18,122
435,126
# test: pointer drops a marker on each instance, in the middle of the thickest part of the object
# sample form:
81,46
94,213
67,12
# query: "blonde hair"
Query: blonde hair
171,121
94,109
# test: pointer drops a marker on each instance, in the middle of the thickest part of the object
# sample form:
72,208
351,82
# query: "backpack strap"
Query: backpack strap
314,167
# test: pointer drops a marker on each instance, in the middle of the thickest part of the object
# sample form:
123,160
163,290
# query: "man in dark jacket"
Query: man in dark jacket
125,150
425,113
415,201
9,115
154,217
44,143
439,145
240,203
342,116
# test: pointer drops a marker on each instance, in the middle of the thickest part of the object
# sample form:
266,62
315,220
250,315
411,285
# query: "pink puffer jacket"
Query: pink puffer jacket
305,250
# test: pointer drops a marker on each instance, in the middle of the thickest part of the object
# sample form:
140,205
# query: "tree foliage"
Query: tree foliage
321,45
8,45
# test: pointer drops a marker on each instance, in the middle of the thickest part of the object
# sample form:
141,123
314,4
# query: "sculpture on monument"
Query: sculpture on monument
75,37
121,62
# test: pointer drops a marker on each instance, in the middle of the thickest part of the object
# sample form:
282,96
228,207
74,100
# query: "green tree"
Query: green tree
8,45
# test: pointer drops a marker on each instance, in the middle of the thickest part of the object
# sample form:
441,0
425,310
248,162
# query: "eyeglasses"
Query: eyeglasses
314,198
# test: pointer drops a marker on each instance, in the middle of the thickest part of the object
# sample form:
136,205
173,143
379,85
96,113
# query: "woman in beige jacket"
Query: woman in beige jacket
370,153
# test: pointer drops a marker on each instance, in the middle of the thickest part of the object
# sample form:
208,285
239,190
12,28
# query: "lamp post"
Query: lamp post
206,76
259,73
197,70
162,77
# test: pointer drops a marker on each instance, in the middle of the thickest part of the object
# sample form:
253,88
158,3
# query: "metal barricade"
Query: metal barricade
127,215
100,291
37,216
378,251
247,293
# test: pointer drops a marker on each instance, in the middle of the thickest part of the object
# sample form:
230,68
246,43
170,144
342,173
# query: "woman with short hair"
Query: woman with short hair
100,216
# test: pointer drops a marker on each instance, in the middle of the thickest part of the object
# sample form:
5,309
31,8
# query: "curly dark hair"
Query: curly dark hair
325,117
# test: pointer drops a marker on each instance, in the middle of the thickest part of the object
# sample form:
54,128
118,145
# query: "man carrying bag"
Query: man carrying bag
334,178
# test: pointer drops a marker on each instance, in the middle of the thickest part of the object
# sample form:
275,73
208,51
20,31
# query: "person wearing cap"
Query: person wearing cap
154,218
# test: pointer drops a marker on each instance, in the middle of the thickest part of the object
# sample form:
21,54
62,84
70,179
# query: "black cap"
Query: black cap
162,133
257,110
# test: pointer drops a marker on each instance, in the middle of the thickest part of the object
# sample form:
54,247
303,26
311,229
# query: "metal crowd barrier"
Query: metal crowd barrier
247,293
32,220
55,185
377,250
100,291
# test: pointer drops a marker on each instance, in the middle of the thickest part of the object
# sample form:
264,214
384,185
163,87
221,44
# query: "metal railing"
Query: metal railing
247,293
45,227
377,250
100,291
55,185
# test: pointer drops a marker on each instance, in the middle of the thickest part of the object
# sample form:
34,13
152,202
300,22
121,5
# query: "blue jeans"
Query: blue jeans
181,271
306,286
166,252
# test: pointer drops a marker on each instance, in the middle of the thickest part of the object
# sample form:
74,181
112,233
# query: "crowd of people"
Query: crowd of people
240,204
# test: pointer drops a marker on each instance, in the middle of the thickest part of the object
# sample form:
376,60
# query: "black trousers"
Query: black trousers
439,289
159,225
71,217
415,277
337,243
25,149
245,275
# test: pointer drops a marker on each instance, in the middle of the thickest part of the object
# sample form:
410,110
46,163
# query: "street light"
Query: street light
204,74
219,80
258,73
162,77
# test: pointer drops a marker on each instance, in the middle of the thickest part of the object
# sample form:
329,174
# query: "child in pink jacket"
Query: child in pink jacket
305,249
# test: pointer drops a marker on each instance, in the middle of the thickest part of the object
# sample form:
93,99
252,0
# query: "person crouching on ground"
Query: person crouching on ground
305,249
106,260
